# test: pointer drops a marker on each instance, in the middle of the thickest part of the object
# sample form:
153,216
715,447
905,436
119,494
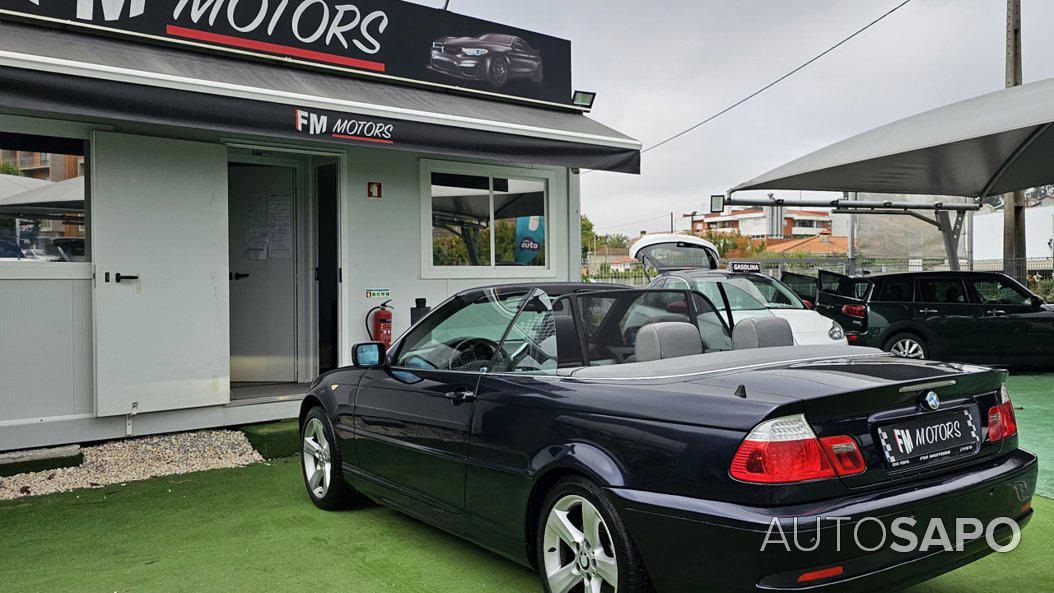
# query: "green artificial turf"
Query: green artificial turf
1033,397
274,439
253,529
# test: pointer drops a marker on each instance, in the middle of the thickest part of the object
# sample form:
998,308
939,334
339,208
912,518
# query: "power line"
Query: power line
615,226
777,81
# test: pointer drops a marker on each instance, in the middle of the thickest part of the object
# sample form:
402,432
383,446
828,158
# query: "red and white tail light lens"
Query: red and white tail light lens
786,450
1002,424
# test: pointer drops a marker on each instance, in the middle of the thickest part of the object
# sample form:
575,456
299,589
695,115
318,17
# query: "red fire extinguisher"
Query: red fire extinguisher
381,328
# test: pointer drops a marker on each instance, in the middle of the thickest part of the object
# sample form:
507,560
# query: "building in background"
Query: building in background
44,165
988,233
822,245
754,223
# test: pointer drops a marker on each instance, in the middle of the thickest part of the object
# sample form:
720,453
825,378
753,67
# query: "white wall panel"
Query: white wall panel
45,348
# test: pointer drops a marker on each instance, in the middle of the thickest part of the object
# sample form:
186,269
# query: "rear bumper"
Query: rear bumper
693,544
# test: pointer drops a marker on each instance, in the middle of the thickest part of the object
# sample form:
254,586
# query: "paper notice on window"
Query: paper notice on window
280,226
256,210
256,243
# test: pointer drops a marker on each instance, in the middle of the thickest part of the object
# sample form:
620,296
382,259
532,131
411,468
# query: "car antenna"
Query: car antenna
741,391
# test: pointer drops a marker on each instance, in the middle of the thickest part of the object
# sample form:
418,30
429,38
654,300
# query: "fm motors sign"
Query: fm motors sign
385,38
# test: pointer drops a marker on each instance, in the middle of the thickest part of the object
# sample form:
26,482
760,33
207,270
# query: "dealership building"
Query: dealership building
256,178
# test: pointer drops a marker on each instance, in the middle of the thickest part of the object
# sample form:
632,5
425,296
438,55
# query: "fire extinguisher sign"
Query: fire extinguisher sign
378,293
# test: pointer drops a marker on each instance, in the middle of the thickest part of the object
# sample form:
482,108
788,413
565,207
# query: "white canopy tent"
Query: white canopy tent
14,184
992,144
988,145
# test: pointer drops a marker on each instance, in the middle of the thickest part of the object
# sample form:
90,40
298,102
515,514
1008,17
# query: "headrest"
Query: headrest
762,332
667,339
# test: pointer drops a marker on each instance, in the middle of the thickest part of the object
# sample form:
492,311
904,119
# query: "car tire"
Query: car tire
907,345
320,453
562,524
498,72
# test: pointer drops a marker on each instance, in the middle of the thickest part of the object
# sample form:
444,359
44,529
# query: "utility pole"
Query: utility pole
1013,203
671,222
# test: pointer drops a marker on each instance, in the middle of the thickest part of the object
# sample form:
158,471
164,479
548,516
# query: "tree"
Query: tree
735,245
10,169
587,235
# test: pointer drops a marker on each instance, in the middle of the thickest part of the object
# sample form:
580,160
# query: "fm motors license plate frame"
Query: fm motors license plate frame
930,438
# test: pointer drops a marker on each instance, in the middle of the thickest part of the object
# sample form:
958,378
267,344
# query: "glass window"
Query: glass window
895,290
464,334
712,328
460,220
488,221
42,199
941,290
542,339
999,291
519,222
680,254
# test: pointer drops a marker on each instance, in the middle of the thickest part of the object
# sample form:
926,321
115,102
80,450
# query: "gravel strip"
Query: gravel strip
138,459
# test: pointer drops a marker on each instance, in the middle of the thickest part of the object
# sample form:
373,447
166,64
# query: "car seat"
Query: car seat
667,339
762,332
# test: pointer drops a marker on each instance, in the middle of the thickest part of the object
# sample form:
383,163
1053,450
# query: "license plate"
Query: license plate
930,438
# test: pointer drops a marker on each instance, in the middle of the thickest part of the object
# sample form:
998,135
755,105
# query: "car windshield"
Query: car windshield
753,291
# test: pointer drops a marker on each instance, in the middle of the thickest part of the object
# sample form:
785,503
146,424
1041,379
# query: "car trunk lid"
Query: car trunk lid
870,398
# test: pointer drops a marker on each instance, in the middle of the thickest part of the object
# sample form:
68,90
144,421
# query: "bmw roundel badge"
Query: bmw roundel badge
932,401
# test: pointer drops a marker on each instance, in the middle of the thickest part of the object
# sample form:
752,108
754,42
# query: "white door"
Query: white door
159,212
263,283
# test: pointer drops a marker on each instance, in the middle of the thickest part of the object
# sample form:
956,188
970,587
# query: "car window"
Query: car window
940,290
999,291
712,329
463,334
895,290
613,320
674,282
542,339
712,292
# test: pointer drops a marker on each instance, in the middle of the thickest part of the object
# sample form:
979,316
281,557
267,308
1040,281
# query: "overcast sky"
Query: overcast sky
660,66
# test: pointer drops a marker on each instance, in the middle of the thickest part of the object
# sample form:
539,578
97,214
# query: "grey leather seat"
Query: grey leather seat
762,332
667,339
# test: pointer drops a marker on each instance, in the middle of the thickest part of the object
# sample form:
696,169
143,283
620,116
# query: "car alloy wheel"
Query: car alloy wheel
908,348
499,72
318,468
579,553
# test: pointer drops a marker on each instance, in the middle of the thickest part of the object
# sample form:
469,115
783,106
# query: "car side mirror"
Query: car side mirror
368,355
1037,301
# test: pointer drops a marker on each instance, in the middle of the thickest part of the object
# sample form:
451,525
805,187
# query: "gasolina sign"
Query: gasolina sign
387,38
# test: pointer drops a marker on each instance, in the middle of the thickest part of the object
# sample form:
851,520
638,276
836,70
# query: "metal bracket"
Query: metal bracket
128,419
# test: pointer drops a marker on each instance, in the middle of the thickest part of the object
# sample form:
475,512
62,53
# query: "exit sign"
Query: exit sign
373,189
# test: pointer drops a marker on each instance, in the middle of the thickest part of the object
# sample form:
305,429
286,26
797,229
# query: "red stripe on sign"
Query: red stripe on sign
364,139
275,48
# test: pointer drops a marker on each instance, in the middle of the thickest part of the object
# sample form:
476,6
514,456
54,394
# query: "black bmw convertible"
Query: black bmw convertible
628,440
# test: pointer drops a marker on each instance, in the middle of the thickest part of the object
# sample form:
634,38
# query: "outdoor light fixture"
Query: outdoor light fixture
717,203
583,99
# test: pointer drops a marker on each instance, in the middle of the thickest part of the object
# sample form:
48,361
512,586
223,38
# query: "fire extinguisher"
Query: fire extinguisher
381,328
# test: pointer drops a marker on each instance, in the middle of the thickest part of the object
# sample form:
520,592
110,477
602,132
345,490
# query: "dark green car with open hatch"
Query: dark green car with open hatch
975,317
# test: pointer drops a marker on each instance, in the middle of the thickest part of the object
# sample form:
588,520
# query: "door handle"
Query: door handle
460,397
927,310
998,312
119,276
239,275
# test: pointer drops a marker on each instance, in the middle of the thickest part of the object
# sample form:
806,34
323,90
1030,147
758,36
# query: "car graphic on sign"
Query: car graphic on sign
493,57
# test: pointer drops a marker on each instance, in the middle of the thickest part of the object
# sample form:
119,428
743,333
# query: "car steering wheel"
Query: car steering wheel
480,350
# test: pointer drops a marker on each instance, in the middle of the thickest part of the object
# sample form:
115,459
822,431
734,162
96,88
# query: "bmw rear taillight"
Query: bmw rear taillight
786,450
1002,424
859,311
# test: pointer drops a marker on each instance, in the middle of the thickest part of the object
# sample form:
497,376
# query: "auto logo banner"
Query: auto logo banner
387,38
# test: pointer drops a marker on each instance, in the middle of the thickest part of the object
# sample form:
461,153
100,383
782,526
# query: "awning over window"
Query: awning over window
55,71
992,144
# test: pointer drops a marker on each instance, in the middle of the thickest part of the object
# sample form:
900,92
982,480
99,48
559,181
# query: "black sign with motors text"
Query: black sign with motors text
384,38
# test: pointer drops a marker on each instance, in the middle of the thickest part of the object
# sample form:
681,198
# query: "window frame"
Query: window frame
968,298
554,212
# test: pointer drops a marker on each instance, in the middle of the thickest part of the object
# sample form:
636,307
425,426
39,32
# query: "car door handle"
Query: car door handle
461,396
998,312
119,277
927,310
239,276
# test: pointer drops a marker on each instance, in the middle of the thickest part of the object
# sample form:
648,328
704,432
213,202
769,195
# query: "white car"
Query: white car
690,262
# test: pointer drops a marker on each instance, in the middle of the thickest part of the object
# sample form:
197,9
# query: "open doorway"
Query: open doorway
284,272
